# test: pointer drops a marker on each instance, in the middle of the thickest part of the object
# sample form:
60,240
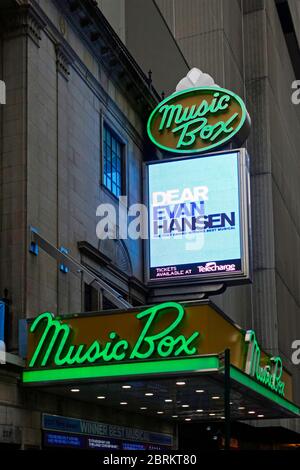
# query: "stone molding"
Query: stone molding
63,60
24,21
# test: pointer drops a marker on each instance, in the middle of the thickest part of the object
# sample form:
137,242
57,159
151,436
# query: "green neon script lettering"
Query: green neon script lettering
197,120
269,375
167,344
178,114
205,131
188,117
54,329
55,342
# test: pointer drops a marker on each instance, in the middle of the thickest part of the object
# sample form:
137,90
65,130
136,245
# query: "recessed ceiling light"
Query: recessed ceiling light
251,412
180,383
160,412
126,386
241,408
222,417
185,406
212,414
174,416
168,400
216,397
199,390
199,411
143,407
260,416
74,390
123,403
101,397
149,394
187,419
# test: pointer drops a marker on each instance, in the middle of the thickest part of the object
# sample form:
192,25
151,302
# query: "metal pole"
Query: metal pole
36,241
227,398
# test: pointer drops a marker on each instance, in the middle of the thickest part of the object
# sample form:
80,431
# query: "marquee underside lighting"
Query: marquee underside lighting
185,365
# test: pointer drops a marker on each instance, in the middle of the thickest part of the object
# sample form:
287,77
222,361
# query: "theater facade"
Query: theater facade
114,343
180,362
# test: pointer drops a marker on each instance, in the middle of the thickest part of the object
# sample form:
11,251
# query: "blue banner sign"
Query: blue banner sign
75,426
75,441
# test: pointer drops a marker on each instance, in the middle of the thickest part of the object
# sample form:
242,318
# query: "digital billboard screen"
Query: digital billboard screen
198,217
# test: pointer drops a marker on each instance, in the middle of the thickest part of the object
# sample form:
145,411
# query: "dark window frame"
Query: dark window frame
106,126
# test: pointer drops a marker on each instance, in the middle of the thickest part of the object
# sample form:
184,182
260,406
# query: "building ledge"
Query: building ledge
12,360
90,22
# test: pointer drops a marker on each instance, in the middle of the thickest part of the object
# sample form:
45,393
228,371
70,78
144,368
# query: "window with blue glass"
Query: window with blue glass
112,162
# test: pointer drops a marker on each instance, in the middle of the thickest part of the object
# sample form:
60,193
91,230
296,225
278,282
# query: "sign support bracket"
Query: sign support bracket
37,241
185,292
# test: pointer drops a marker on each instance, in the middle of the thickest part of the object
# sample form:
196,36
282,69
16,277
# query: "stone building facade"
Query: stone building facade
252,48
67,76
72,69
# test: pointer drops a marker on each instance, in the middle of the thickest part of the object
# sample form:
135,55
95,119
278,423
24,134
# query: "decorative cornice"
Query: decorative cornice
95,30
24,21
64,59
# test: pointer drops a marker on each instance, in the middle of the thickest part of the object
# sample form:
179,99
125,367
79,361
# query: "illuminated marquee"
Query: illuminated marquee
164,338
198,120
56,341
198,217
269,374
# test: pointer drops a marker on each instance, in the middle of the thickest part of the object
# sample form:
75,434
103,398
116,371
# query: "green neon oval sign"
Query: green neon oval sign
198,120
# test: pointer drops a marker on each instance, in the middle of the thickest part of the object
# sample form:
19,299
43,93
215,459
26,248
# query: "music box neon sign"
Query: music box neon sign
199,119
270,374
56,338
55,348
